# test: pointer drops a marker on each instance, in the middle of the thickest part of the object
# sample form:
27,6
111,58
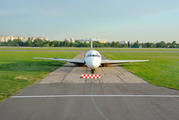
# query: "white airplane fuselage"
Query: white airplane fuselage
93,59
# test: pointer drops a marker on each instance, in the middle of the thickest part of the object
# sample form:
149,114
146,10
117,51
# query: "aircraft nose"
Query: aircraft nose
94,64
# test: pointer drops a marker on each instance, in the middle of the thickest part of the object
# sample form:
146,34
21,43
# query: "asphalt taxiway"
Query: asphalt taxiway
118,95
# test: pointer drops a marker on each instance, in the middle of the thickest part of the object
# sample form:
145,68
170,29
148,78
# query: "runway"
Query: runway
118,95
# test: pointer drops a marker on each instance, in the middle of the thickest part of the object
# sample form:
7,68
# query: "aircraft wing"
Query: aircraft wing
120,61
67,60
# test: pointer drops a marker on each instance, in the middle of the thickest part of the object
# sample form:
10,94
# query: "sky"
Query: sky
114,20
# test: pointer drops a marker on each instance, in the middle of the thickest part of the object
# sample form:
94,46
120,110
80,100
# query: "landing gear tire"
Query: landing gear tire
92,71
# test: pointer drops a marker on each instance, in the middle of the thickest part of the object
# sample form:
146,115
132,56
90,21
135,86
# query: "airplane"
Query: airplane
92,59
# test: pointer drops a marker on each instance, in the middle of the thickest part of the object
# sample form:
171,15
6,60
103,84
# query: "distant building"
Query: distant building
61,40
101,40
25,39
33,38
66,39
72,40
132,43
51,40
46,38
123,42
19,37
6,38
9,37
2,38
42,38
83,40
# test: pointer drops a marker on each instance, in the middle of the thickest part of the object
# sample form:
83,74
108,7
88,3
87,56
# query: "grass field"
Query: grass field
161,70
82,48
19,70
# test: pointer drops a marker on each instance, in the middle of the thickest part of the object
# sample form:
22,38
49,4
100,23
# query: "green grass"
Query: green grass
161,70
19,70
88,48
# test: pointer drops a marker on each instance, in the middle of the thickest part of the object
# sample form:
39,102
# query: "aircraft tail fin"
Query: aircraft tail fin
91,43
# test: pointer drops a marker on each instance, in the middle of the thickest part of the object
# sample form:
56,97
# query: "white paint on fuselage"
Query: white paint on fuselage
93,59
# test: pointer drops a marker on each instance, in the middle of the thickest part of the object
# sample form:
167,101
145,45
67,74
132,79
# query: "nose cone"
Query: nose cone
93,63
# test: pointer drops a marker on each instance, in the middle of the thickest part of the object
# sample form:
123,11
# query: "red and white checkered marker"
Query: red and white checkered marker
91,76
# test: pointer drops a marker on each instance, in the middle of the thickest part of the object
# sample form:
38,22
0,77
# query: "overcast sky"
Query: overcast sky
118,20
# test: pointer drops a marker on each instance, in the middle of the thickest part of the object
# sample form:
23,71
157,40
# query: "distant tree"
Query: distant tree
125,46
99,44
55,43
85,44
148,45
28,42
3,43
107,44
61,43
143,45
163,45
66,43
18,42
158,45
136,44
174,45
128,44
38,43
118,44
71,44
169,45
113,44
10,43
174,42
154,46
46,45
58,43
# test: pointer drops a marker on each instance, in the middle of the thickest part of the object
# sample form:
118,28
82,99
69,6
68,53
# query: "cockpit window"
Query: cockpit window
93,55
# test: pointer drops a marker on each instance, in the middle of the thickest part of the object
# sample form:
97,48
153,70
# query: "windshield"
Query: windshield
93,55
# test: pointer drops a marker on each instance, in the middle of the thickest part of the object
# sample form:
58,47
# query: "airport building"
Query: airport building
72,40
101,40
24,39
2,38
123,42
6,38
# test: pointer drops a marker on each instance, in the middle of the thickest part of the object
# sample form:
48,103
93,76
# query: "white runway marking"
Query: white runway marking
52,96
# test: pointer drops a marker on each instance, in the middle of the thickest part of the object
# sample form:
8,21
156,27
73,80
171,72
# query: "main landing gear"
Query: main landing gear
92,71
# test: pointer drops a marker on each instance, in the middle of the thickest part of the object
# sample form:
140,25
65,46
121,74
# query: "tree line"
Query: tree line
55,43
161,44
77,43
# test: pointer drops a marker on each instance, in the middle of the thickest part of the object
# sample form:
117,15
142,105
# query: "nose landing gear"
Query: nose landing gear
92,71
